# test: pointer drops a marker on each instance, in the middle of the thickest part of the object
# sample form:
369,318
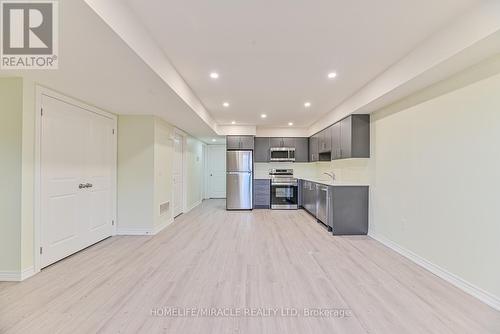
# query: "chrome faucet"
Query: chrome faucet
332,175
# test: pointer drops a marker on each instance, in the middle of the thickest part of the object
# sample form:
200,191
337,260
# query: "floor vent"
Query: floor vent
164,208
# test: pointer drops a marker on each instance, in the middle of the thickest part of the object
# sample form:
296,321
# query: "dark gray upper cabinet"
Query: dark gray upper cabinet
336,137
325,140
282,142
313,148
355,137
232,142
289,141
301,149
276,142
240,142
247,142
262,146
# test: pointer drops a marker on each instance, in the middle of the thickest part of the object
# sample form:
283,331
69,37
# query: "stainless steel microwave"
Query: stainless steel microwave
282,154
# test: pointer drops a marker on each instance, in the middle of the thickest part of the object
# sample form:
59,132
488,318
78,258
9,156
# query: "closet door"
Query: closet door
76,179
64,131
99,164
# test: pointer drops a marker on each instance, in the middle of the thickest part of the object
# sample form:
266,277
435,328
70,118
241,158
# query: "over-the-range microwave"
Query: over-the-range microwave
282,154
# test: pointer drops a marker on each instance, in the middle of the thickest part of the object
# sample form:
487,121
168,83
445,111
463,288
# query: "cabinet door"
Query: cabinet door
276,142
288,142
246,143
262,193
232,142
346,138
261,152
325,140
313,148
336,134
301,150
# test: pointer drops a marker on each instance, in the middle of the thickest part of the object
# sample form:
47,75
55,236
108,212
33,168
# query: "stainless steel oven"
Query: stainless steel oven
282,154
284,189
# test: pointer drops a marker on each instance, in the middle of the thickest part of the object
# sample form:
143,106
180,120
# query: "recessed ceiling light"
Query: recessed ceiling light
290,123
233,122
214,75
332,75
263,116
307,104
214,140
225,104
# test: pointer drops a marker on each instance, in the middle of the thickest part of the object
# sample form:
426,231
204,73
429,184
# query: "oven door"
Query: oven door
284,196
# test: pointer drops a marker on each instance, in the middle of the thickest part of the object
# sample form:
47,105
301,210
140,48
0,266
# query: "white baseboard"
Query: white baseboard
161,227
459,282
193,206
16,276
134,231
143,231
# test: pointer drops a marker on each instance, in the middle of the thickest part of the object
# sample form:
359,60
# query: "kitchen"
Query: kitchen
342,207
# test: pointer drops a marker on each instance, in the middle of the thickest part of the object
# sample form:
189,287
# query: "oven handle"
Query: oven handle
284,184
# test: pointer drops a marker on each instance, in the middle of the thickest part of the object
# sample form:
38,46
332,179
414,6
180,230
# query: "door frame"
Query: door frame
41,91
208,159
183,135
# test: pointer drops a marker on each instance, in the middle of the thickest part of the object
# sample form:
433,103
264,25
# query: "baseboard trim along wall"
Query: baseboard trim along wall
161,227
16,276
143,231
193,206
460,283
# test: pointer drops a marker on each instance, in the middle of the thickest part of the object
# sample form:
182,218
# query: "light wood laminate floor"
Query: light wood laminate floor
210,258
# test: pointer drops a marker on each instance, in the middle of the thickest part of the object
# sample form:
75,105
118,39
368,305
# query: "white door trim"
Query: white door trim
183,170
44,91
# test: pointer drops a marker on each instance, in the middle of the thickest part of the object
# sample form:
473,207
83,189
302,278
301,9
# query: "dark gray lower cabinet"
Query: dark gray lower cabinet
344,209
262,194
349,214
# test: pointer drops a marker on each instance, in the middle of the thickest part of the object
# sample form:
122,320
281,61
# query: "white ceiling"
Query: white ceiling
97,67
273,56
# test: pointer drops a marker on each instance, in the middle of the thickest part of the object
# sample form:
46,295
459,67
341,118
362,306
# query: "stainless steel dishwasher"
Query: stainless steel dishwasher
323,203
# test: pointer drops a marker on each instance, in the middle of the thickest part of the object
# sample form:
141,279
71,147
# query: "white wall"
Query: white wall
136,152
195,173
435,181
164,153
11,104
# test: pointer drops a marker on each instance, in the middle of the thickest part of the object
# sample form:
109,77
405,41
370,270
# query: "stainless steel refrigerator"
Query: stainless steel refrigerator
239,180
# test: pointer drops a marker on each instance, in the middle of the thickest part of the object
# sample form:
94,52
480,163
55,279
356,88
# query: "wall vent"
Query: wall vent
164,208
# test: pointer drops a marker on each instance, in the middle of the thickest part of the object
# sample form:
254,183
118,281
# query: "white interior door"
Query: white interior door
216,171
77,167
177,173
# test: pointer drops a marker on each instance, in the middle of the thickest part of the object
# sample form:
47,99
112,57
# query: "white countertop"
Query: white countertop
336,183
326,182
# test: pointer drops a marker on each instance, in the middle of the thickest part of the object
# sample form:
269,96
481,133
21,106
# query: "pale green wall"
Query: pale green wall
28,174
135,200
194,168
145,161
164,152
11,122
435,183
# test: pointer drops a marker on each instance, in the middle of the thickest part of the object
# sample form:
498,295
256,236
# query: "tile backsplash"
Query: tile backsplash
349,170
